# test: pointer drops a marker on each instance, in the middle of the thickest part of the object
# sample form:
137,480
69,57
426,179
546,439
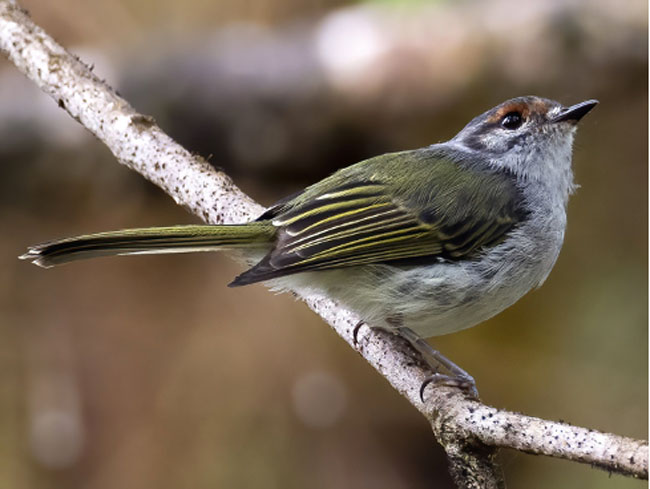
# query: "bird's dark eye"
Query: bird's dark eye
512,120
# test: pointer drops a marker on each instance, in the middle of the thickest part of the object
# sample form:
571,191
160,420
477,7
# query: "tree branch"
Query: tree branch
470,431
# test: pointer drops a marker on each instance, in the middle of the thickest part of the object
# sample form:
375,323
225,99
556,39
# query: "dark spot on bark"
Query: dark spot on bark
142,121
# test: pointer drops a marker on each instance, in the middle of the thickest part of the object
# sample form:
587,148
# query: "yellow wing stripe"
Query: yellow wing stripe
378,256
376,188
328,235
333,206
363,243
338,216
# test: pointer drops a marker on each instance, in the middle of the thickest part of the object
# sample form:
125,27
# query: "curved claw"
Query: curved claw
466,384
355,332
424,385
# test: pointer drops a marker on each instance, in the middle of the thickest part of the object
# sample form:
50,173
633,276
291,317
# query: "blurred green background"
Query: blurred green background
149,372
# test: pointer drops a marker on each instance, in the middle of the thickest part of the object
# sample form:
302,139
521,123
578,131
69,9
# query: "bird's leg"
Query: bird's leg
453,375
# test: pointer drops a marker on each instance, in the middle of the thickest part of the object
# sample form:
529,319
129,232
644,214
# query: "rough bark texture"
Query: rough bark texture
469,431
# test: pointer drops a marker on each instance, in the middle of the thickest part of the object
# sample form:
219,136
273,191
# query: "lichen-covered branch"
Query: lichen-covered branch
470,431
473,422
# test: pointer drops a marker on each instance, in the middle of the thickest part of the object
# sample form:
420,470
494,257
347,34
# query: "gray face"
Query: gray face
525,135
513,123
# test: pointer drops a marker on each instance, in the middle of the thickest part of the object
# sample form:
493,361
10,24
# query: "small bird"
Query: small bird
421,242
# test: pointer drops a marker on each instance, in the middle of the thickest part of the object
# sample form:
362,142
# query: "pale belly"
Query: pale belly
440,298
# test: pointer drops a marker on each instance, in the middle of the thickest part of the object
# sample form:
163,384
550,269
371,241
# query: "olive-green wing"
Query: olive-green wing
368,221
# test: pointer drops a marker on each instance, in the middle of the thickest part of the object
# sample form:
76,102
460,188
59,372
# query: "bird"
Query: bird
420,242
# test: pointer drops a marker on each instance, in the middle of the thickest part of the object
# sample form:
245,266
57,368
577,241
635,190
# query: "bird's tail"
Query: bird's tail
173,239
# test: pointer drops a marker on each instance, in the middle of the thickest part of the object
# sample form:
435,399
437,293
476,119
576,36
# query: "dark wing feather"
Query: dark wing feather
361,222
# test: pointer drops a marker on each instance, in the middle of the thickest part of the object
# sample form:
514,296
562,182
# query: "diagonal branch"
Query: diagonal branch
470,431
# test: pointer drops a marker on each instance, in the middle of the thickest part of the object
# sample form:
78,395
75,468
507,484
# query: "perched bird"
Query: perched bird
421,242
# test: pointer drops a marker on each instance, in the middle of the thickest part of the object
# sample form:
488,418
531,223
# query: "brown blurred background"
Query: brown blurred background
148,372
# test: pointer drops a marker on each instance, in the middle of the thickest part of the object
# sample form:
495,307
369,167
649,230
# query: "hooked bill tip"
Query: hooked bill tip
35,256
576,112
30,254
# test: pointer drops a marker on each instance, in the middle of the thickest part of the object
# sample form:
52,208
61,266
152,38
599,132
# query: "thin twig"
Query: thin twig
469,431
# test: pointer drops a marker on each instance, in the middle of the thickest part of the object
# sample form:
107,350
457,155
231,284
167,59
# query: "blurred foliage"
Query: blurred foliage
149,372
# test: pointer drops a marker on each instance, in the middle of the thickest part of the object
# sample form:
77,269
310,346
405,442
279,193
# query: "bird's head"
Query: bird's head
526,135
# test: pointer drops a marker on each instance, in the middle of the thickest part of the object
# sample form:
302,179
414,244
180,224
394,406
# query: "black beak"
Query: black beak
576,112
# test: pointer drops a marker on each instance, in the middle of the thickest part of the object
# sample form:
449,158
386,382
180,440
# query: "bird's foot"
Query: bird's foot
453,375
466,384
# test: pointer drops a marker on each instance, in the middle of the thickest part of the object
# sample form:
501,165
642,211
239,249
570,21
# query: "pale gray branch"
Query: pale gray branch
469,431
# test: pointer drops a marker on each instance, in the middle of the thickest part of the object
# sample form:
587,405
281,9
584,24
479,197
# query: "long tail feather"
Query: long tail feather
173,239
